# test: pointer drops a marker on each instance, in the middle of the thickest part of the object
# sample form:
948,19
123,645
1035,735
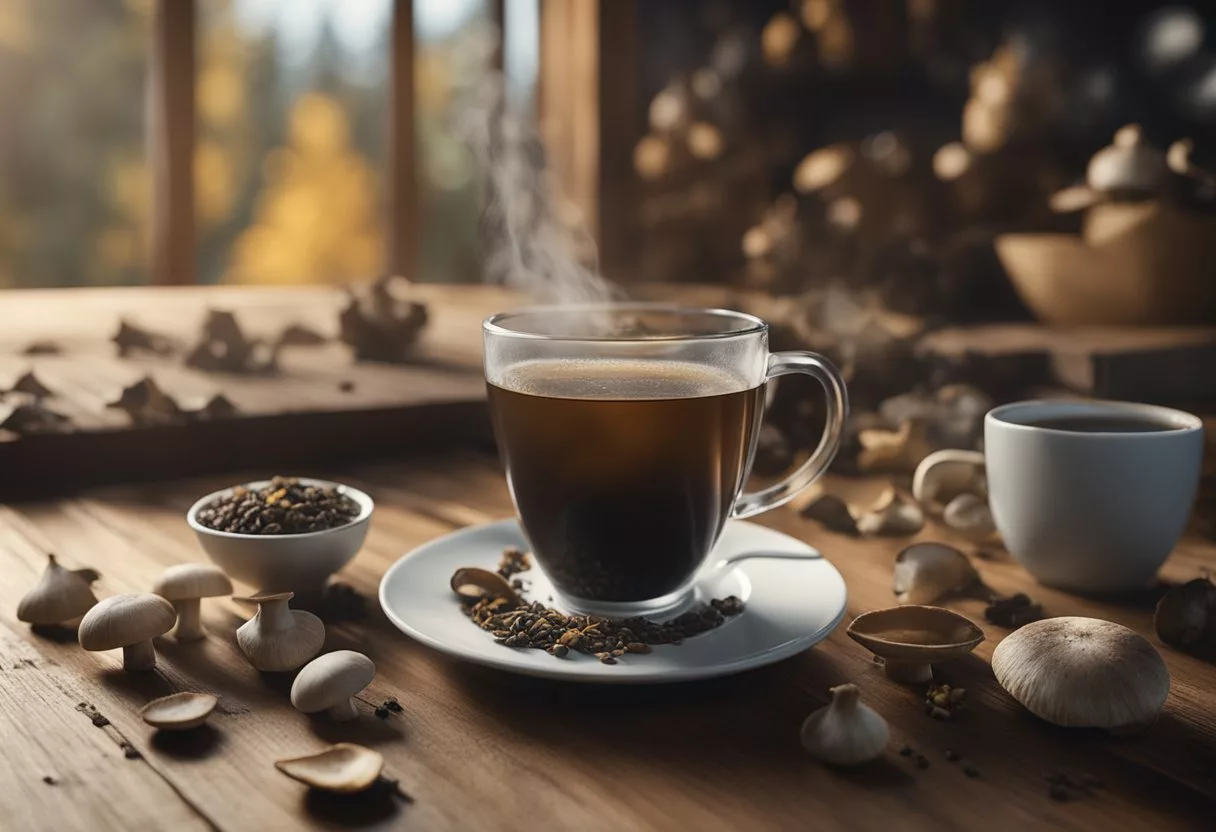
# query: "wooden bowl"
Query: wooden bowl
1144,263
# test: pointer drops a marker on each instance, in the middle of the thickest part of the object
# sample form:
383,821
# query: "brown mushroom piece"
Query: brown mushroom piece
833,512
911,639
1083,672
129,621
472,583
179,711
60,597
893,514
344,768
185,585
927,572
330,682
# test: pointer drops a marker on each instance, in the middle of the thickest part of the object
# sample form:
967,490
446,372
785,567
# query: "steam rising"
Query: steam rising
525,242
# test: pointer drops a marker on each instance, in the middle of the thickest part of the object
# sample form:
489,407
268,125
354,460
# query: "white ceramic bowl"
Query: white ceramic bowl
298,563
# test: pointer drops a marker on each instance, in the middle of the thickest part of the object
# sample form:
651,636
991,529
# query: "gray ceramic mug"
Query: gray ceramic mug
1091,496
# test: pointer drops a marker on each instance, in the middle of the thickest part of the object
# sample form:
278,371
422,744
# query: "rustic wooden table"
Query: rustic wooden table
477,749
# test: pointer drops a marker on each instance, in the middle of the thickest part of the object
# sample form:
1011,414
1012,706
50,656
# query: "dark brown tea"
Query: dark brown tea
623,472
1089,423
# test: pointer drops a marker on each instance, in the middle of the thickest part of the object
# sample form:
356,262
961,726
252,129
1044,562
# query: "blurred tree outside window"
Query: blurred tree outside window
291,153
74,180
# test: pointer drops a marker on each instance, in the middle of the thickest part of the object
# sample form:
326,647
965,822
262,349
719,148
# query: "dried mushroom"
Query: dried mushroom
832,512
944,475
969,514
218,406
131,338
847,732
179,711
381,323
25,418
471,584
911,639
60,597
1083,672
1186,617
223,347
927,572
147,404
894,451
344,768
893,514
299,335
31,385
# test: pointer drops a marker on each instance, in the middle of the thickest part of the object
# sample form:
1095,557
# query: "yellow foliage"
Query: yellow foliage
316,218
220,91
15,32
117,248
214,181
131,187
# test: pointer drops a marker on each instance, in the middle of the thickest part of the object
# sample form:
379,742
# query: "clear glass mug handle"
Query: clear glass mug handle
819,368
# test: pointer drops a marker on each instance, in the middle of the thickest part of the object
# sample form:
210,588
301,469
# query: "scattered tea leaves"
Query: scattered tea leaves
1013,611
533,625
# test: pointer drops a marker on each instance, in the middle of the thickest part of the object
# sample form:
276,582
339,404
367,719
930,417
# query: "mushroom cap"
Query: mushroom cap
331,679
912,633
178,711
192,580
60,595
1083,672
343,768
121,620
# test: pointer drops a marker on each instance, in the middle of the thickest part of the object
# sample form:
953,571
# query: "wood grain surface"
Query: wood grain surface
365,409
478,749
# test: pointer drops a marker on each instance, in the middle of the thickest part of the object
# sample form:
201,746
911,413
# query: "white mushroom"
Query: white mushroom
945,474
925,572
1083,672
847,732
1129,166
129,621
896,451
969,514
61,596
184,585
892,514
344,768
330,682
279,638
178,711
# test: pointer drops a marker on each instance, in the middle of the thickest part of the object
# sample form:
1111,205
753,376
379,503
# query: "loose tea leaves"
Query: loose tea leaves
1013,612
285,506
534,625
512,562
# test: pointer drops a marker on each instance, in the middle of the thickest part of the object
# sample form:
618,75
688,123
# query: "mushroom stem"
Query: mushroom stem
189,623
275,615
909,672
344,711
139,656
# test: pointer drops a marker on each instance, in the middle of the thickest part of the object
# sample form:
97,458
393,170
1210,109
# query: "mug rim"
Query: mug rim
494,324
1179,421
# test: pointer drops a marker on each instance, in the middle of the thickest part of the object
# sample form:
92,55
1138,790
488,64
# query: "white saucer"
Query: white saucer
790,605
